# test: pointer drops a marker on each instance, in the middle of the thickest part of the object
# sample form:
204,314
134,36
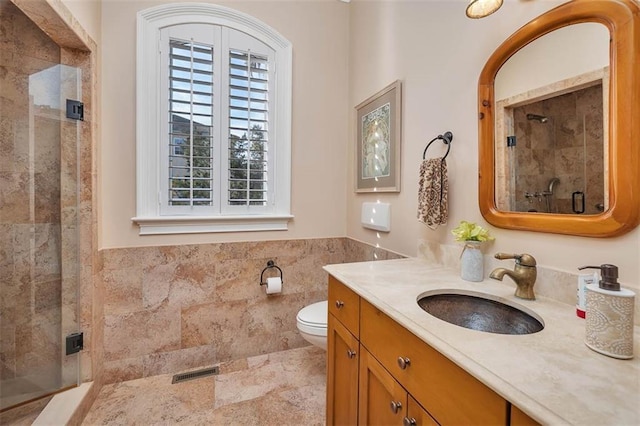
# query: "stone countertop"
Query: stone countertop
550,375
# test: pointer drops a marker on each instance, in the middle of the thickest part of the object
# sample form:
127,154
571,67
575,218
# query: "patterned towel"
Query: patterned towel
432,192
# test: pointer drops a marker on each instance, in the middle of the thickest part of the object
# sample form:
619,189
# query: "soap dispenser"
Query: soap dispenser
609,315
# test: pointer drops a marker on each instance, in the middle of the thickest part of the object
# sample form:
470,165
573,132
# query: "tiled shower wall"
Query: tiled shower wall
569,146
168,309
47,224
30,209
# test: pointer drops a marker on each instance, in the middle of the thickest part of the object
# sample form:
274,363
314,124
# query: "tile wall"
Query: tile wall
168,309
46,197
30,209
569,146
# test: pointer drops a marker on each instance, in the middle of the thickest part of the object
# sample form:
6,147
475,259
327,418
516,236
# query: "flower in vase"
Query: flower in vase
469,231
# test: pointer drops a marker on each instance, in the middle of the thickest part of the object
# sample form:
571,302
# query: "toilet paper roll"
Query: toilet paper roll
274,285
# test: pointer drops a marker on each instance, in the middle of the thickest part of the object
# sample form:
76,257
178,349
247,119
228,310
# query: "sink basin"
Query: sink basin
475,311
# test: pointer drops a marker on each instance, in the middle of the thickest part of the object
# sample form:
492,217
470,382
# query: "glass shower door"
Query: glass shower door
38,228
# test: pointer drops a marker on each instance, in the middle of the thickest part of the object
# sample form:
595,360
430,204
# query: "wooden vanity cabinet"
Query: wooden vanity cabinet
383,400
343,354
374,363
344,305
450,394
519,418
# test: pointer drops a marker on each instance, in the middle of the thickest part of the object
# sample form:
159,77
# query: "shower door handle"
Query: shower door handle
577,202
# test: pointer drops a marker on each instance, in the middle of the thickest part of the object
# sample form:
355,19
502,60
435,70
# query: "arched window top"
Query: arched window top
158,17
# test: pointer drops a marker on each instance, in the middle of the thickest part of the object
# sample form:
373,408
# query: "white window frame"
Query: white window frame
150,116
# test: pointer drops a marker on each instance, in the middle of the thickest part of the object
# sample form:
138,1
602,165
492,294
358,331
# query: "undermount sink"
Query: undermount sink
475,311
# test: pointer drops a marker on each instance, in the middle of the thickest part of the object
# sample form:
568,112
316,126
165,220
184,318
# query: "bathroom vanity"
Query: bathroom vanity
389,362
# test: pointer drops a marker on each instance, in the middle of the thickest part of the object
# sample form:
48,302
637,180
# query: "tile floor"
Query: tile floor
281,388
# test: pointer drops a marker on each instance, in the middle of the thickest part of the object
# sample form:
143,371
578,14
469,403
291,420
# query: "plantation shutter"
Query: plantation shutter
190,123
248,128
213,121
218,137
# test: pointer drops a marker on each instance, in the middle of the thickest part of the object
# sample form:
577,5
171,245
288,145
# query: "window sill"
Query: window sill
163,225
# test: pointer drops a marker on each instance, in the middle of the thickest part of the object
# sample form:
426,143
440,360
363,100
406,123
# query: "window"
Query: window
214,118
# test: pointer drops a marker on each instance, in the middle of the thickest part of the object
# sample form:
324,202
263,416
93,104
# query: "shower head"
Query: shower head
536,117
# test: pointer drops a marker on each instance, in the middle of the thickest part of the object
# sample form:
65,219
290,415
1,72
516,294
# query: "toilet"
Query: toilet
312,324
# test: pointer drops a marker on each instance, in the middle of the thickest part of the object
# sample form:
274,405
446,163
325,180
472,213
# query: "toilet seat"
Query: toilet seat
312,319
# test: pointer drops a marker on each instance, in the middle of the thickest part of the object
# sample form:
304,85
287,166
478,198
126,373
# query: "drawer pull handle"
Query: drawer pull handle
403,362
351,353
396,406
409,421
339,304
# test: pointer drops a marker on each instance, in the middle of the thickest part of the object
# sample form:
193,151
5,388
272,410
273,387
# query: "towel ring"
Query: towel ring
446,139
270,264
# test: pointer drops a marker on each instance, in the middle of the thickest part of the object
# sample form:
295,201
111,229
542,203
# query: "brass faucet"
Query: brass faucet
523,274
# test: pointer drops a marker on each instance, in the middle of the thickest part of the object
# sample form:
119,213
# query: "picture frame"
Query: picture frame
379,136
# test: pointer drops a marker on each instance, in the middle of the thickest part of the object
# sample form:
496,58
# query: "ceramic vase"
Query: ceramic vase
472,262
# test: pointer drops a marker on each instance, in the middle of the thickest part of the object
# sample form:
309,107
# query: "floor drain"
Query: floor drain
183,377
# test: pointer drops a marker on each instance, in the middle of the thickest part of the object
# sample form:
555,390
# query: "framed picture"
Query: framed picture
379,135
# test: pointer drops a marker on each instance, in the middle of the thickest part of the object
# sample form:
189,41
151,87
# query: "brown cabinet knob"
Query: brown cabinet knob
403,362
409,421
339,304
396,406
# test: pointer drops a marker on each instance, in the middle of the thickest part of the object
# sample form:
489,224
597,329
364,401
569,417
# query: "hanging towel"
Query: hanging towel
433,186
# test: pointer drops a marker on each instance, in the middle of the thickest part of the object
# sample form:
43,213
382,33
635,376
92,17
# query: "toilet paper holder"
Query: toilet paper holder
270,264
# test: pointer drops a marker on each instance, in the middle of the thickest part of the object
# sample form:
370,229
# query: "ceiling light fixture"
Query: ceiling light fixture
481,8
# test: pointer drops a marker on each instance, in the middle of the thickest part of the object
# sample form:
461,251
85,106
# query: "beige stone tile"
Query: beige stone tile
238,279
140,333
168,362
216,287
221,324
182,282
122,291
46,258
13,197
123,370
24,415
274,314
274,389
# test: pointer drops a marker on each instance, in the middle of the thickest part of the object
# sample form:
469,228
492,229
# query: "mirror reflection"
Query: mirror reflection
551,124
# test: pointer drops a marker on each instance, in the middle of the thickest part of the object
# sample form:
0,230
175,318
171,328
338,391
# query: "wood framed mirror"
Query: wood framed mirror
616,209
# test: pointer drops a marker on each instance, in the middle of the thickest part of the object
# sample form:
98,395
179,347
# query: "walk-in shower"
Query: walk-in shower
39,259
556,154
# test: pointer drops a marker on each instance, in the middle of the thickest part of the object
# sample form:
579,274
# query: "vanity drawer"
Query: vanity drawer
344,304
450,394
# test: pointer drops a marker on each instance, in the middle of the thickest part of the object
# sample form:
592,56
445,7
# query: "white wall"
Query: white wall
318,31
343,53
438,53
87,12
562,54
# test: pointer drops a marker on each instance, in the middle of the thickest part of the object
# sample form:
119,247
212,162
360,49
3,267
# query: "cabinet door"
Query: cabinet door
342,374
416,415
382,400
519,418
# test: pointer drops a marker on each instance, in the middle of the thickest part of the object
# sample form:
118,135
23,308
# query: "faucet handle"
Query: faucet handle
503,256
521,259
